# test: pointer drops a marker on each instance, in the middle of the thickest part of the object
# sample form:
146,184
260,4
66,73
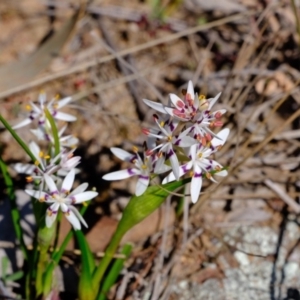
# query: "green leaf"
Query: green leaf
15,214
56,256
114,272
15,276
54,132
136,210
85,290
17,138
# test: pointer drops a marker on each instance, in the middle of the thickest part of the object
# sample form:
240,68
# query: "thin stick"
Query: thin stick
71,70
283,195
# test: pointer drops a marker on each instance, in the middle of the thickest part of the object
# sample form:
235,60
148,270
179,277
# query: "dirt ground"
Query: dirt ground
243,234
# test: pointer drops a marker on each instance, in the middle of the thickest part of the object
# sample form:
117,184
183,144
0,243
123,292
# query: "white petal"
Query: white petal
35,149
162,169
68,181
62,130
122,174
81,188
64,117
122,154
171,177
141,186
72,218
221,137
51,214
24,168
155,105
175,164
212,101
185,141
63,102
40,135
196,184
71,162
175,99
37,194
42,98
78,215
223,173
190,89
82,197
50,183
23,123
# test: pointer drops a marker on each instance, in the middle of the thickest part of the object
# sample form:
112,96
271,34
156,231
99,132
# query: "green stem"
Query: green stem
108,256
16,218
54,132
17,138
114,272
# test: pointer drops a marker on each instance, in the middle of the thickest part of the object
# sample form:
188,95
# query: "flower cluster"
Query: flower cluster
182,142
54,173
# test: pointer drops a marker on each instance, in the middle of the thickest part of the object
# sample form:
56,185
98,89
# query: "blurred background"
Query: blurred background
243,234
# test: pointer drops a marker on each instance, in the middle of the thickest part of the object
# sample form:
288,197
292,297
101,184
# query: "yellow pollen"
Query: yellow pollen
47,156
201,97
191,173
208,175
144,167
42,199
135,149
84,203
200,155
36,162
28,107
169,138
29,179
162,123
56,96
55,105
49,212
41,154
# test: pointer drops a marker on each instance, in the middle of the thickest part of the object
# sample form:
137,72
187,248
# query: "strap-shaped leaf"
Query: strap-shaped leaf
136,210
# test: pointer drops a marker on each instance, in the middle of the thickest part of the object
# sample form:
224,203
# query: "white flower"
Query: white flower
201,164
44,164
194,110
184,109
68,141
38,112
63,199
165,135
143,169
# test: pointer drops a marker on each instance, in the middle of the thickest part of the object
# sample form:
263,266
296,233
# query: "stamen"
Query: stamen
28,107
135,149
208,175
36,162
29,179
191,173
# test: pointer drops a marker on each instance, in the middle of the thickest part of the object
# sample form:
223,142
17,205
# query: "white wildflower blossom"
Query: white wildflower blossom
63,199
